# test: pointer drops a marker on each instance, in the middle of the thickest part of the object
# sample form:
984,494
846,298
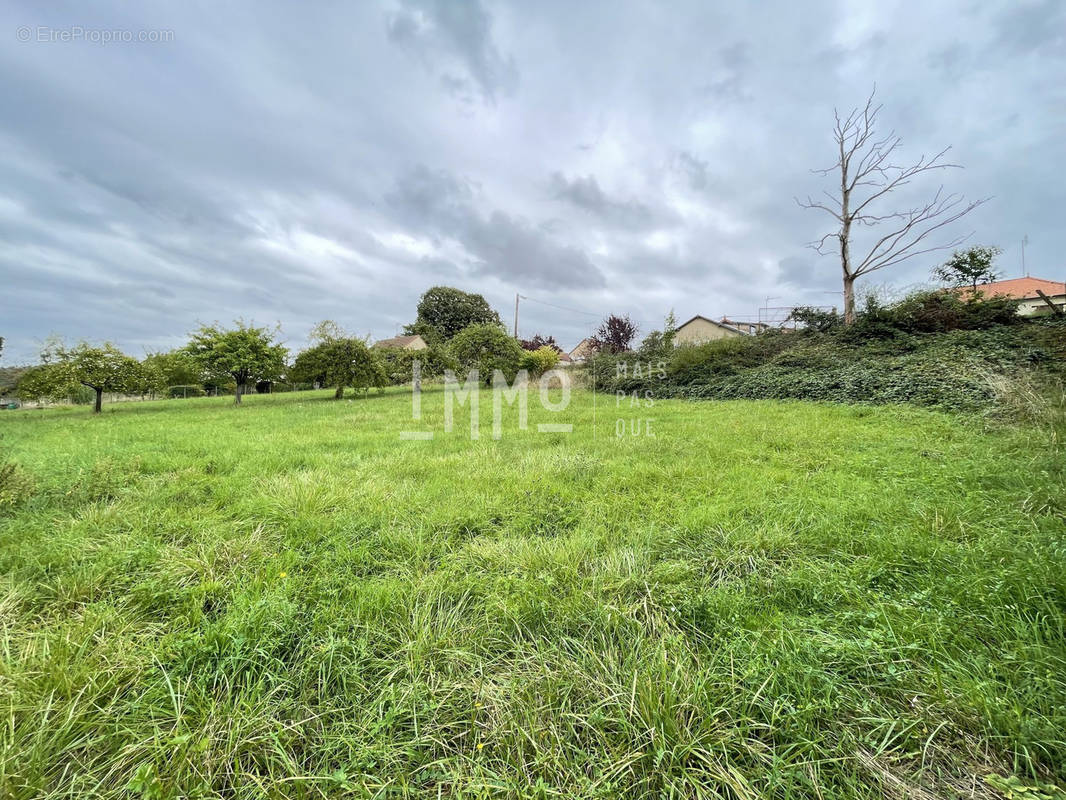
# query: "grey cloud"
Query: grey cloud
260,166
728,74
500,245
1034,28
695,170
585,193
510,248
436,28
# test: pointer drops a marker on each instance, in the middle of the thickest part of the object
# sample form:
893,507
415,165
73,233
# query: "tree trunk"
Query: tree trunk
339,393
849,299
237,396
99,401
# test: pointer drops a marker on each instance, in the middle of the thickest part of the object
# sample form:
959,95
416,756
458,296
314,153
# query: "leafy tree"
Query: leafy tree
615,335
430,335
245,353
446,311
539,361
539,341
101,369
327,330
41,383
149,380
339,363
175,368
815,319
487,347
661,342
669,328
969,267
399,363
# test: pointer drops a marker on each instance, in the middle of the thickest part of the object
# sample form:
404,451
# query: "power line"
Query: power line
598,315
561,308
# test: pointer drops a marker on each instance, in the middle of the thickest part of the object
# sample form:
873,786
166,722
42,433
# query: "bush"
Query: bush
399,364
539,361
931,312
886,357
487,348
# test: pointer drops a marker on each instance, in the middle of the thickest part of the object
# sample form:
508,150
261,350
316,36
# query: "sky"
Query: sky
293,162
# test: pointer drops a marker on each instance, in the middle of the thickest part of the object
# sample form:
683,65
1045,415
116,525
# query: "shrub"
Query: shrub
539,361
399,364
931,312
487,348
962,369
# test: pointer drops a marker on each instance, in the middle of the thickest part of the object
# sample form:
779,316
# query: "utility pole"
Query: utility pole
1025,241
516,296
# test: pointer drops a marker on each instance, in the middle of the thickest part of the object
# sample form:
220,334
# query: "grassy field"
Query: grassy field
764,599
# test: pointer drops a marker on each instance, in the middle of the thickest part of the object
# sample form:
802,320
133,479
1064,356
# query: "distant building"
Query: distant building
1025,291
584,349
701,329
415,342
745,327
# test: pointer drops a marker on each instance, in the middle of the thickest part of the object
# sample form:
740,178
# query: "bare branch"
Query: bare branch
819,245
870,171
902,243
809,203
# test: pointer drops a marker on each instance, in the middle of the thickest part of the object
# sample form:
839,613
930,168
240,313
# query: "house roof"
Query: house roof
1019,288
584,343
397,341
739,323
712,321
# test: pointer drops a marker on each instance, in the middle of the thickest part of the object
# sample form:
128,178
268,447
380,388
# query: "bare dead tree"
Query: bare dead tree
868,174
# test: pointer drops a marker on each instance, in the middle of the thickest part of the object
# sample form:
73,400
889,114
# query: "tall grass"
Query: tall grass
765,599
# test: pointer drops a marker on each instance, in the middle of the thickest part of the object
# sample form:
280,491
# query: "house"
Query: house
584,349
1026,292
701,329
415,342
745,327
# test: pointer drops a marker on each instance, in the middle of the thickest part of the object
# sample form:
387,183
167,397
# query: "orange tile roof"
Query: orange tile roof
1020,288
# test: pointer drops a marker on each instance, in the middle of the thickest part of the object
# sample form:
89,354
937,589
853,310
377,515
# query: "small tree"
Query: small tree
447,311
661,342
969,267
244,353
101,369
487,348
339,363
615,335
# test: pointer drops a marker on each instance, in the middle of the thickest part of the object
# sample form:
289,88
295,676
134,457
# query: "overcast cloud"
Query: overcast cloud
294,162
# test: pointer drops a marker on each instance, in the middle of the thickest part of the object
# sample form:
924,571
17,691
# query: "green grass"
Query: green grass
766,599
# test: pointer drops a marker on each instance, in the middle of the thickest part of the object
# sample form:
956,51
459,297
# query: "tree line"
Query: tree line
461,331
